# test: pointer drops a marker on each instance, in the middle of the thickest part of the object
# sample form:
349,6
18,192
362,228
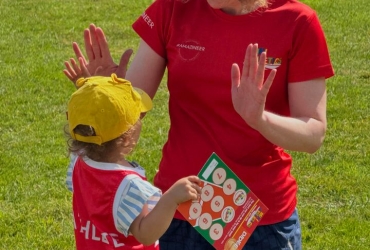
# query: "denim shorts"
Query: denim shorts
285,235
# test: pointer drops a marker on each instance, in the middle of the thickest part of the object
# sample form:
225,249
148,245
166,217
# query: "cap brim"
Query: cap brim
146,101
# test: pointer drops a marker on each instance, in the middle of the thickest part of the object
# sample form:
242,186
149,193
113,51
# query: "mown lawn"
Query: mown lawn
35,206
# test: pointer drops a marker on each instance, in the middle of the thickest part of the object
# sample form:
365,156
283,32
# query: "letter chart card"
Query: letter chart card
227,212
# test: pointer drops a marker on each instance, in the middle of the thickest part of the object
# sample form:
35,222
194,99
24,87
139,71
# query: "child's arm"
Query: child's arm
150,226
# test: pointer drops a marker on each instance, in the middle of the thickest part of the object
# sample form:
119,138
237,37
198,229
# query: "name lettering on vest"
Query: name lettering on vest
90,233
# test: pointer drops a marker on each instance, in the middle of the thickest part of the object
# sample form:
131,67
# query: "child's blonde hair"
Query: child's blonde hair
106,152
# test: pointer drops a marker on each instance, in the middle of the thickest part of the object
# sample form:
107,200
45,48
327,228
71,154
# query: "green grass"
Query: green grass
35,206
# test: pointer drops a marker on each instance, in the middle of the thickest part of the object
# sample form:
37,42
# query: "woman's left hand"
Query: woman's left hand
248,90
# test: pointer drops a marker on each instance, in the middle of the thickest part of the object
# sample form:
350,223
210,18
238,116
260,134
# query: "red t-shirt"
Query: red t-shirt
200,44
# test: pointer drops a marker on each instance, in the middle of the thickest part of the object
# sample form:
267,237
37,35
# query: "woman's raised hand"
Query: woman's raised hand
248,90
100,61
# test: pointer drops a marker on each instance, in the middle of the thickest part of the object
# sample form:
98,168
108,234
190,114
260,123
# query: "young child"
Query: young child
113,204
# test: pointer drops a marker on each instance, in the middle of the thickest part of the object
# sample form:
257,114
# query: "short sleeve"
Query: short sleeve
309,58
153,25
132,194
72,162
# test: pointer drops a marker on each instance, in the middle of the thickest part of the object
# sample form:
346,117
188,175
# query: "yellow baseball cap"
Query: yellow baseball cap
108,104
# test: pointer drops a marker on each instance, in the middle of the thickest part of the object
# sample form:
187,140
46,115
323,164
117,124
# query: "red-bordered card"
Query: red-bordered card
227,211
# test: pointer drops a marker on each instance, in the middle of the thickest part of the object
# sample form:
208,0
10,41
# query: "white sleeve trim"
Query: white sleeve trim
72,162
131,196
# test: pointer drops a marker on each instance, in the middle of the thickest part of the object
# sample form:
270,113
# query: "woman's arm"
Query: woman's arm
304,130
146,70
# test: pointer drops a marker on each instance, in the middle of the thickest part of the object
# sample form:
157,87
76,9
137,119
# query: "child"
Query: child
113,204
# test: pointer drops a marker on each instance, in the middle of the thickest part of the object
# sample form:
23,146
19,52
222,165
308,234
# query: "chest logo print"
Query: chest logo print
189,50
271,62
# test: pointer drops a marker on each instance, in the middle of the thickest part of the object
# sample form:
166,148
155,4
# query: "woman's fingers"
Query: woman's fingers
94,42
102,42
77,51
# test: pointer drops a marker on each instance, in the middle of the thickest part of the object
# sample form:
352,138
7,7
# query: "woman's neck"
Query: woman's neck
241,9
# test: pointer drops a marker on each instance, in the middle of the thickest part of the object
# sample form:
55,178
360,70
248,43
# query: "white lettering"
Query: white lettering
241,237
191,47
104,238
86,229
96,235
115,242
93,236
147,19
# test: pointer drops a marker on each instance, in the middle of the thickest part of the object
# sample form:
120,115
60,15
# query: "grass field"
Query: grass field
35,206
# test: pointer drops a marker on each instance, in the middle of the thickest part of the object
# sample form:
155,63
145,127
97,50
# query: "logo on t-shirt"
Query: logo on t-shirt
148,20
271,62
190,50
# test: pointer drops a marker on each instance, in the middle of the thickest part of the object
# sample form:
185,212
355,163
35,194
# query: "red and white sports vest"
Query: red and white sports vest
93,197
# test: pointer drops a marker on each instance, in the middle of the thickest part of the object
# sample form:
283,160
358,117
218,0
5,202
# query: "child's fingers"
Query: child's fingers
69,69
68,75
194,178
75,67
197,188
85,72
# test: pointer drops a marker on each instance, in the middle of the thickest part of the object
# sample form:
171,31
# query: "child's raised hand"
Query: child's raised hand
185,189
74,71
